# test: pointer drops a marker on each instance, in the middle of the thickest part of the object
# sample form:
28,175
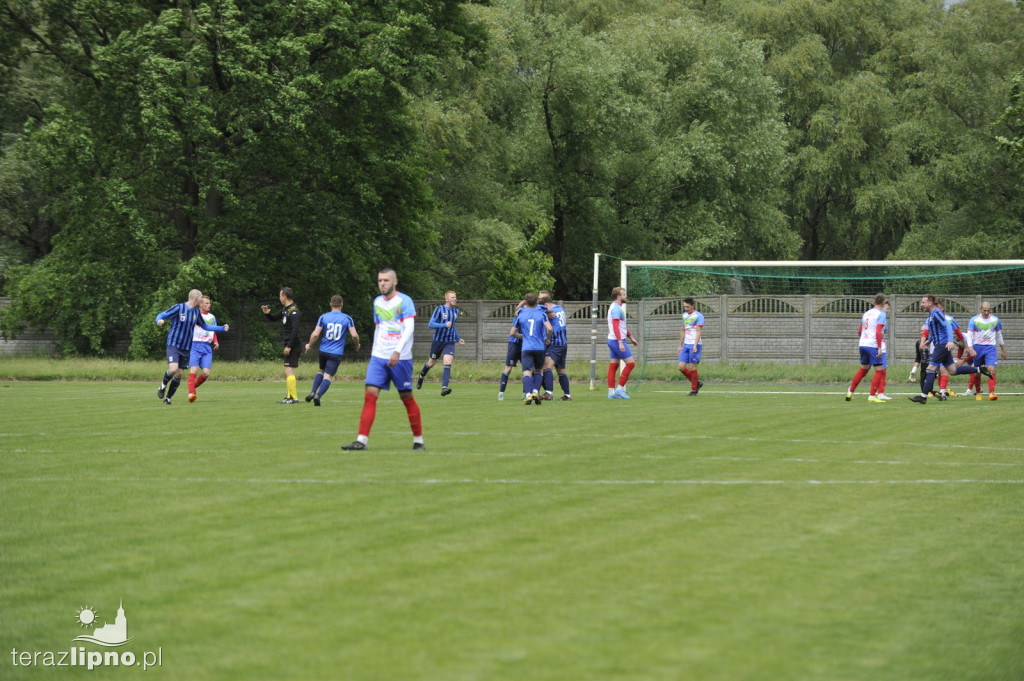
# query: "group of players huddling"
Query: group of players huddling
940,336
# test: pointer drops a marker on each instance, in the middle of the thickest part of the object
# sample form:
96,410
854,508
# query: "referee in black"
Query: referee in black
290,317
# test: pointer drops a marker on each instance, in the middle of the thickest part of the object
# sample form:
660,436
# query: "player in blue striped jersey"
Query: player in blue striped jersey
556,352
536,330
513,355
336,327
445,338
940,333
184,318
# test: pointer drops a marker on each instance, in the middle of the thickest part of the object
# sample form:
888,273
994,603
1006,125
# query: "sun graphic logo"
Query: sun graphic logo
87,617
111,634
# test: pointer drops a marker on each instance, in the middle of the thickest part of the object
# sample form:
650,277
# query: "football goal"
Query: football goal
803,311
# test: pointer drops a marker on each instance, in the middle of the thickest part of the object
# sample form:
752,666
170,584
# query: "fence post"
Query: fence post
479,330
723,315
808,321
890,349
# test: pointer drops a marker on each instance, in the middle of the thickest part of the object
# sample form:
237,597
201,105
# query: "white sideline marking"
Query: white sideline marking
515,481
837,393
730,438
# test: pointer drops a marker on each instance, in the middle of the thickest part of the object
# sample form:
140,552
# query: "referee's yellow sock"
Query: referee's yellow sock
293,391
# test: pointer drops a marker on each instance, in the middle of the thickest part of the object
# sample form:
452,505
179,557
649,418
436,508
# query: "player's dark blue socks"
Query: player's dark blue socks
445,376
325,384
316,381
549,380
929,382
167,379
173,387
966,369
563,381
504,382
538,382
424,370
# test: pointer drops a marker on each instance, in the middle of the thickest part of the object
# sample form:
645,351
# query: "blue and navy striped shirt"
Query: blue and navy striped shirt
940,331
183,324
441,315
515,318
558,339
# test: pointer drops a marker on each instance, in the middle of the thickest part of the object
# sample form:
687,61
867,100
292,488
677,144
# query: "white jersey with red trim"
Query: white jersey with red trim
872,320
616,315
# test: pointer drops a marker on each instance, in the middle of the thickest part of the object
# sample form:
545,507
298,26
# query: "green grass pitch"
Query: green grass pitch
736,535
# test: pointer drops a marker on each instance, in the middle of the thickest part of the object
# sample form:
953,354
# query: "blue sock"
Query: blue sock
325,384
929,382
966,369
424,370
175,382
316,381
167,378
504,382
563,381
538,382
549,380
446,375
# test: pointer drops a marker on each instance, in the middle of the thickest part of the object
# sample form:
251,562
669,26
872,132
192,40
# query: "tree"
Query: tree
959,81
639,130
270,139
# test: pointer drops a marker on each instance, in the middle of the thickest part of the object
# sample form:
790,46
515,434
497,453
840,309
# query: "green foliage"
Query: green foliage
522,270
639,130
270,139
310,143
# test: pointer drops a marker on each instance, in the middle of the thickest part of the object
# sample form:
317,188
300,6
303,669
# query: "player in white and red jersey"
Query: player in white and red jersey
203,344
872,345
618,351
391,359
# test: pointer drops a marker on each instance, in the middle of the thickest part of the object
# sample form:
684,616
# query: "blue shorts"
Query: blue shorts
329,363
201,355
557,354
379,374
885,360
870,356
688,356
176,355
514,354
986,356
613,349
940,357
439,349
533,360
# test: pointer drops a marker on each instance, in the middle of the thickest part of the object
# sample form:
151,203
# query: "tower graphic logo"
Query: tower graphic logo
110,635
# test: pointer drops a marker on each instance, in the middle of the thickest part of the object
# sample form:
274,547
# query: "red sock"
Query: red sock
368,415
191,383
413,410
881,381
861,373
694,378
686,372
612,368
200,380
991,383
943,382
624,376
875,380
